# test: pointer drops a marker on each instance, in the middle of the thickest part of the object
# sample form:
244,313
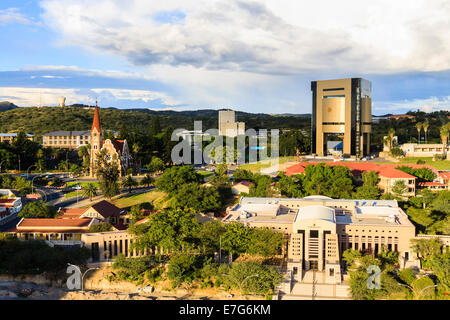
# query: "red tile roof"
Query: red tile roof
427,183
71,213
96,123
444,175
49,223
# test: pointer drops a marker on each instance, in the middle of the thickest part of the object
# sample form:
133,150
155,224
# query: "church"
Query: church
117,148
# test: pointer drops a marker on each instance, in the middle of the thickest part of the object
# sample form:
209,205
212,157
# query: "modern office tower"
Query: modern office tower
341,109
228,125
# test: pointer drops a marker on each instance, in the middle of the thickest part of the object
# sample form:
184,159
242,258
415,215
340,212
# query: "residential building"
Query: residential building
228,125
71,223
67,139
401,116
241,187
10,137
342,108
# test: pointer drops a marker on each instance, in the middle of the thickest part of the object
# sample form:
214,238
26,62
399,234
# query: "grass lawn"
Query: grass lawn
440,165
205,174
257,166
129,201
74,194
82,184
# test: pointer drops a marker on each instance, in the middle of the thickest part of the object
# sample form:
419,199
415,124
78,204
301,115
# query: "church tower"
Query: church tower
96,140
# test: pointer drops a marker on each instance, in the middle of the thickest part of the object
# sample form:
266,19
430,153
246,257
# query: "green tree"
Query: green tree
236,238
100,227
147,180
175,177
108,172
129,182
369,189
156,165
170,229
253,277
183,268
89,191
265,242
210,235
399,188
199,198
38,210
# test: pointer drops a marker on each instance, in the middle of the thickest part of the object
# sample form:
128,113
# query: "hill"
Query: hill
5,106
38,121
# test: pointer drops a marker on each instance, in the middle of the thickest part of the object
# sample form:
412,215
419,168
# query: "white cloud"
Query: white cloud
49,96
12,15
269,37
427,105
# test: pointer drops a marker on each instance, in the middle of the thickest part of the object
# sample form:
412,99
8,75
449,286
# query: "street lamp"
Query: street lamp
82,277
242,282
30,168
32,181
1,165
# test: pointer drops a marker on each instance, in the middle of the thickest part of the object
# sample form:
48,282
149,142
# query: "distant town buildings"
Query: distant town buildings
342,108
10,137
67,139
228,125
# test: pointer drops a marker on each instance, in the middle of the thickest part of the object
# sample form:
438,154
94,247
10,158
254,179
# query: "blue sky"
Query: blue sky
255,56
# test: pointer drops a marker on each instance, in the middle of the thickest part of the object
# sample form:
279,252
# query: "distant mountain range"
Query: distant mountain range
5,106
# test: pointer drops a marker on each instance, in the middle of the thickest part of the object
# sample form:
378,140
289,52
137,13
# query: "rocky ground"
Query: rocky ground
26,290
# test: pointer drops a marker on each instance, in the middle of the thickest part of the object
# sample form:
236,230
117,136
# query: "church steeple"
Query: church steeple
96,123
96,139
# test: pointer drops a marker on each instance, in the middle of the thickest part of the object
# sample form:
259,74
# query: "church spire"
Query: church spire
96,122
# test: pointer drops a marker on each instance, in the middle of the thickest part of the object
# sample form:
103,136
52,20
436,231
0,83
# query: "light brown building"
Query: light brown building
228,126
66,139
319,229
116,149
10,137
342,108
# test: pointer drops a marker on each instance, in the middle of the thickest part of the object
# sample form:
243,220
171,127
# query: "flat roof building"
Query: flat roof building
319,229
67,139
342,108
9,137
228,126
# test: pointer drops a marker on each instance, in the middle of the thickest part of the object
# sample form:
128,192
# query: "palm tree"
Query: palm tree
419,127
425,126
136,149
83,152
90,191
129,183
390,138
147,180
444,135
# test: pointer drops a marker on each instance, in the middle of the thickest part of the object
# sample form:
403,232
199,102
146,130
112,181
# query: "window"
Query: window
331,272
314,234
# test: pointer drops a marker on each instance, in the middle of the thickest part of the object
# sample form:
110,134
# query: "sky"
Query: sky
253,56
